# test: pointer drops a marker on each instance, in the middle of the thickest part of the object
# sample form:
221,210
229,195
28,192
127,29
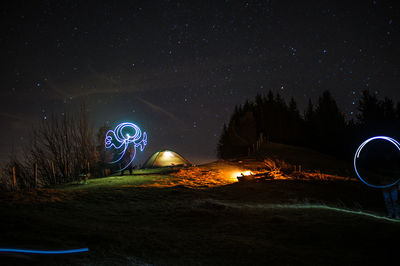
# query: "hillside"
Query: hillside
308,159
183,219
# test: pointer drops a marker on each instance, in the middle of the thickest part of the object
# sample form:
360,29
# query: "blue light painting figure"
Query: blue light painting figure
390,191
126,136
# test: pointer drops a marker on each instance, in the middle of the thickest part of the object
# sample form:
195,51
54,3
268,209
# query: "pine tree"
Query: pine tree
370,109
329,124
223,143
309,113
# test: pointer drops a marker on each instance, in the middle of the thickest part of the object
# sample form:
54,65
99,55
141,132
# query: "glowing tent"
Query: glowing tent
165,158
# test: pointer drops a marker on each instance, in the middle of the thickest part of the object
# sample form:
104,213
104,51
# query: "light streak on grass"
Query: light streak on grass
306,206
324,207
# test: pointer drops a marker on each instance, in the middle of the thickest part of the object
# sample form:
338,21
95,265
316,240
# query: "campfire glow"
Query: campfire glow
243,173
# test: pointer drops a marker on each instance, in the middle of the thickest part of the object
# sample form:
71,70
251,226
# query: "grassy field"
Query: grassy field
156,219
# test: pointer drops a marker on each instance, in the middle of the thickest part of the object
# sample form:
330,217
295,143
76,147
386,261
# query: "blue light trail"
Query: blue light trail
48,252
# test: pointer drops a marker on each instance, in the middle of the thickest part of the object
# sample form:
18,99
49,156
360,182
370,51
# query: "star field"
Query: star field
178,68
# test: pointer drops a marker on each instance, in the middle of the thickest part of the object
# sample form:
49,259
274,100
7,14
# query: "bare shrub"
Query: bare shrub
62,149
274,167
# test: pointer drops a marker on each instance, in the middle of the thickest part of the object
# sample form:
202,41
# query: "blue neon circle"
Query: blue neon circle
391,140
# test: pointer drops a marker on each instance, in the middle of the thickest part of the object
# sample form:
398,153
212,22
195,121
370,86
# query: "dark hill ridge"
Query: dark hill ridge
309,159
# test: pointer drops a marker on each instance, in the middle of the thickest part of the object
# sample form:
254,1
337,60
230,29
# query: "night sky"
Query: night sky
178,68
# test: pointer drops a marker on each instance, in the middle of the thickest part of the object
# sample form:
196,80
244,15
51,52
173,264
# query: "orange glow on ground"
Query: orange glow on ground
219,173
199,177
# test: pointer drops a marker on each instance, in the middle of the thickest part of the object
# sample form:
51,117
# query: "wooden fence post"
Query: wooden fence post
54,170
14,178
36,183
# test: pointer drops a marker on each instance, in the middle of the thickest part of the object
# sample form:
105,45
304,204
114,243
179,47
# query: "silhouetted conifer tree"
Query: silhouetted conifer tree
377,117
329,124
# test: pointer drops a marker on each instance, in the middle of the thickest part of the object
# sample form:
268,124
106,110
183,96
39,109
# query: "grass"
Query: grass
112,181
128,221
139,177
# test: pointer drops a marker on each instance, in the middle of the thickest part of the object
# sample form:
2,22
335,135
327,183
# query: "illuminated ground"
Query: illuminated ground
201,216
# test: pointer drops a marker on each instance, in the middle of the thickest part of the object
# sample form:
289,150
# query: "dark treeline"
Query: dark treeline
321,127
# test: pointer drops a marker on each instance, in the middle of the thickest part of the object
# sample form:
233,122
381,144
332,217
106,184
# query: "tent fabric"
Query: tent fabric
165,158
